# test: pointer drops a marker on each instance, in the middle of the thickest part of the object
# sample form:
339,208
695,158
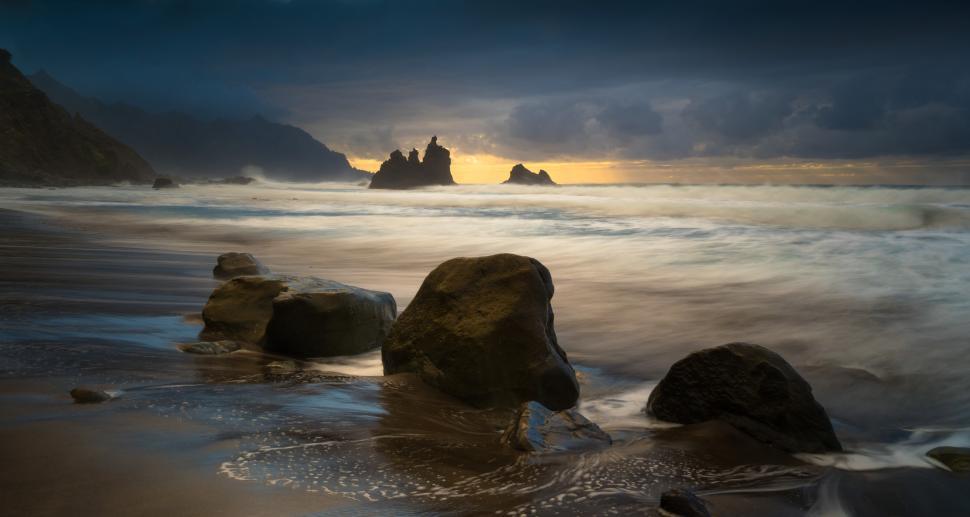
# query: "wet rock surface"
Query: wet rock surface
481,329
956,459
536,428
89,396
341,320
683,503
210,347
750,387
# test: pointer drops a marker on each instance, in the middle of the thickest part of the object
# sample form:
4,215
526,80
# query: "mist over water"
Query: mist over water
863,289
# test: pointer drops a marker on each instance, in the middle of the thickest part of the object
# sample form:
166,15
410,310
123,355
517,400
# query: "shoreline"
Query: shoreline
84,438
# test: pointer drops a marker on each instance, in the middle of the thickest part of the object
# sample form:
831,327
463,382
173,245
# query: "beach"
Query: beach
863,290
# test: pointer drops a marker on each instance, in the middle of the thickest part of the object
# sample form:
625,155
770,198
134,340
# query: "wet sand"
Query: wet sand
231,435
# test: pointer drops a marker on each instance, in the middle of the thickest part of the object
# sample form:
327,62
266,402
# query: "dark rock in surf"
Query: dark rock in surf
302,316
519,175
399,172
481,329
749,387
683,503
164,183
89,396
957,459
343,320
210,347
536,428
231,265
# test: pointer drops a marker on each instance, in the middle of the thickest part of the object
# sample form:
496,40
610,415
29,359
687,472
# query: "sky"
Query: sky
686,91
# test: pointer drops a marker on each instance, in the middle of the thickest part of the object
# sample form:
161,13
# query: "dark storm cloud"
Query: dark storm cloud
655,80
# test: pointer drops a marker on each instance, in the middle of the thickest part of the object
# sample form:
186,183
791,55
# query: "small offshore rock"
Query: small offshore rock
957,459
520,175
210,347
749,387
231,265
536,428
164,183
683,503
89,396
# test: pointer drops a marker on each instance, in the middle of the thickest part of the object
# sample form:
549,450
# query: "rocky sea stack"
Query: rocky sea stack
481,329
749,387
43,144
519,175
399,172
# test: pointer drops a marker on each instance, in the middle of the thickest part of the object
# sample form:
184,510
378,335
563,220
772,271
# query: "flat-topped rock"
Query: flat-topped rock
481,329
301,316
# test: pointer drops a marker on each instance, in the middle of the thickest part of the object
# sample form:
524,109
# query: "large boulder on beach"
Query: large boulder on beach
398,172
536,428
233,264
750,387
520,175
481,329
339,321
303,316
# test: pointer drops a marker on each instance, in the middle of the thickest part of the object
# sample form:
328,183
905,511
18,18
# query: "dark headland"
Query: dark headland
43,144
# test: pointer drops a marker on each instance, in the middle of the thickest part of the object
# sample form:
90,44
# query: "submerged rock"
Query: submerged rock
303,316
164,183
232,264
750,387
536,428
956,459
399,172
683,503
521,176
89,396
339,321
481,329
210,347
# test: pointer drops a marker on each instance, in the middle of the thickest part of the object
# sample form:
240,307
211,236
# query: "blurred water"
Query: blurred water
864,289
